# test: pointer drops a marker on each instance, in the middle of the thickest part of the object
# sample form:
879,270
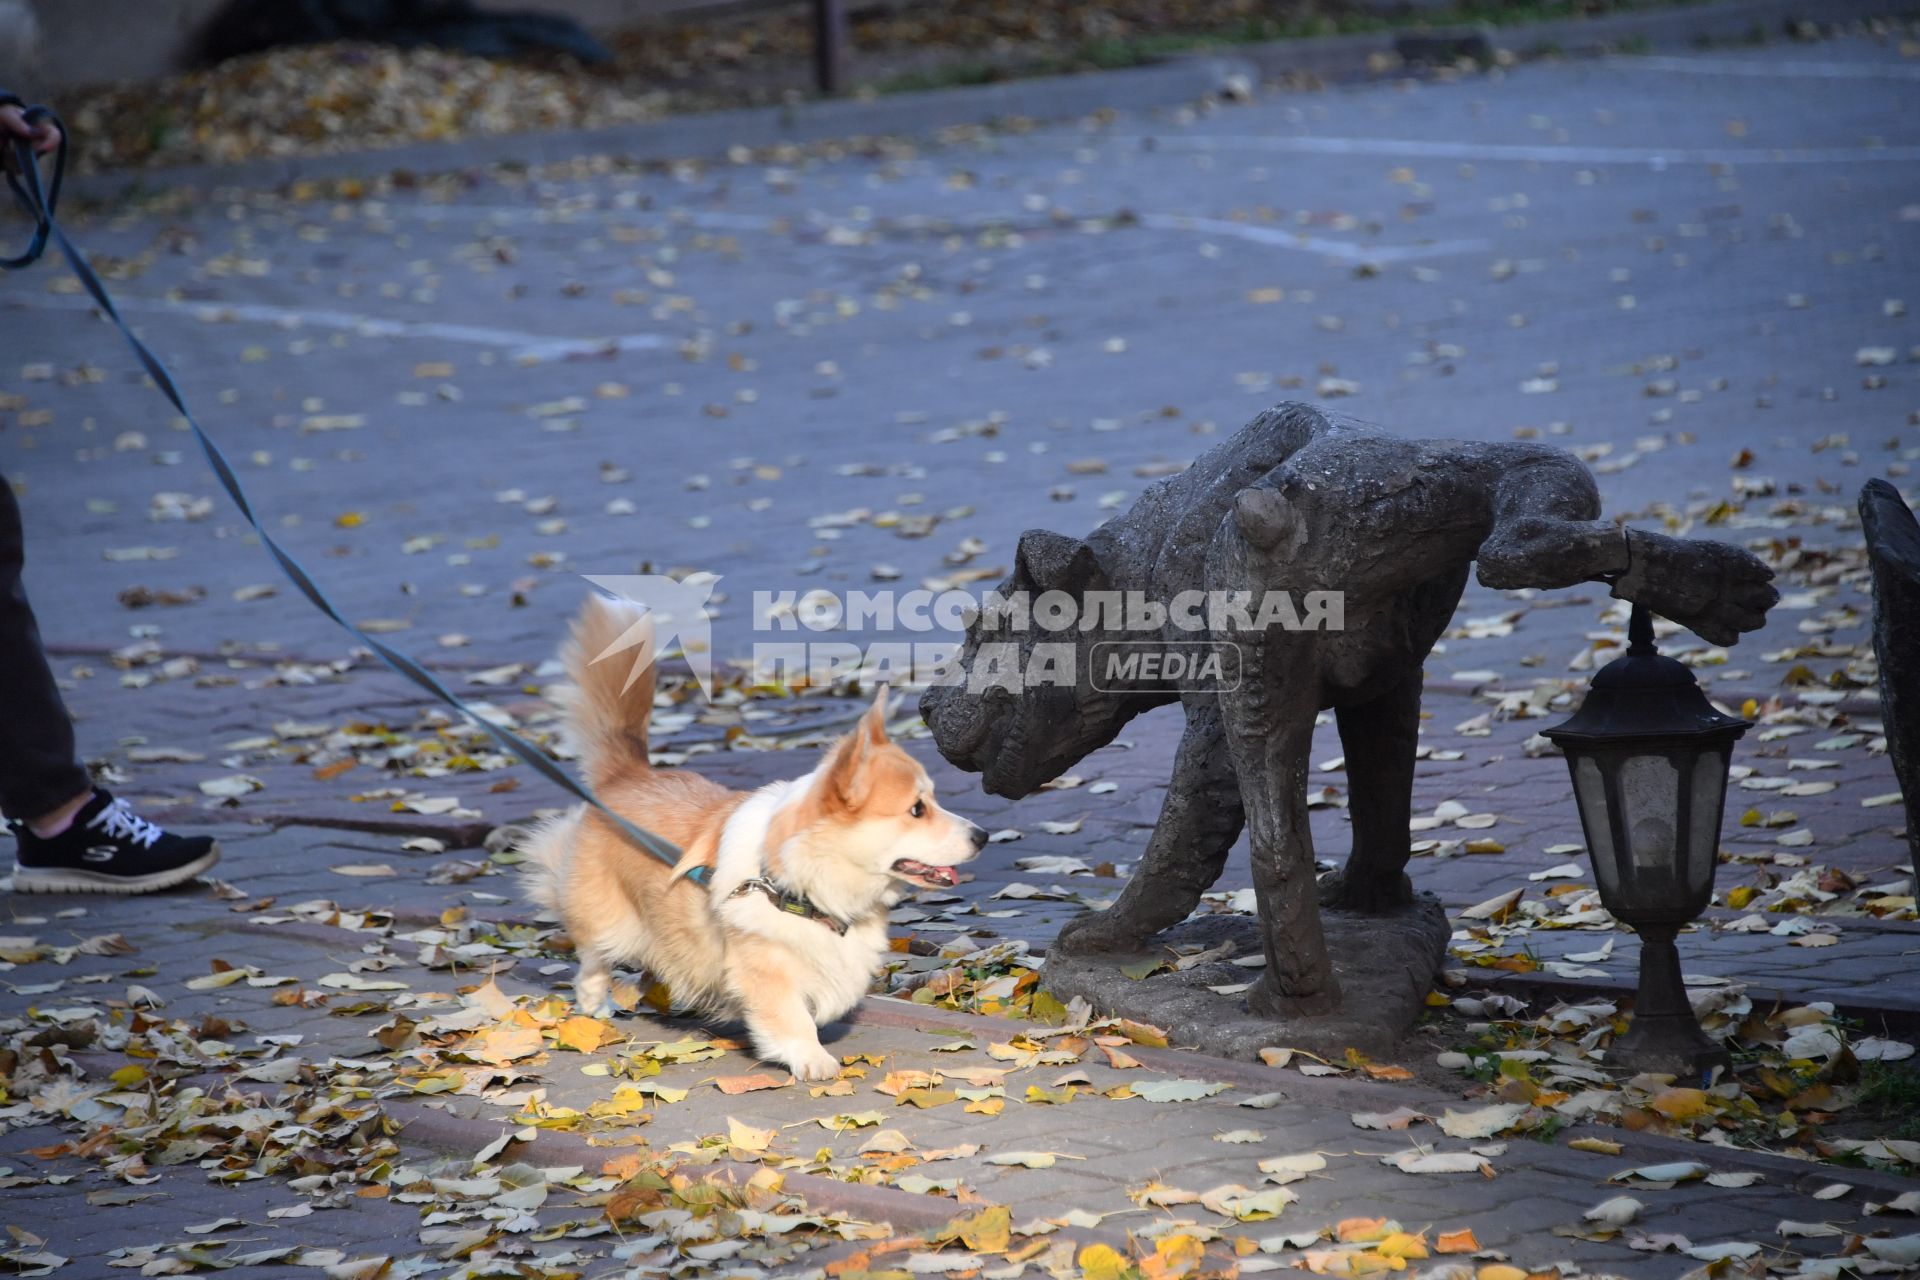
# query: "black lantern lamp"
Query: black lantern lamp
1648,755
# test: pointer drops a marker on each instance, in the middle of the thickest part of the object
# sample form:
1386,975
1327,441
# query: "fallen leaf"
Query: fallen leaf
749,1084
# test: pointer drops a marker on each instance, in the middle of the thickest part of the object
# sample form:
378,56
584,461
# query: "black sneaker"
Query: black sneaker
108,849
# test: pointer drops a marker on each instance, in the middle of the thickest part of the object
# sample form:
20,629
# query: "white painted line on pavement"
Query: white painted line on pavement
522,346
1417,148
1281,238
815,221
572,213
1770,70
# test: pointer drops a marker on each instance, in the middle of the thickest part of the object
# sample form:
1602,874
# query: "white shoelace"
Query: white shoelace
122,823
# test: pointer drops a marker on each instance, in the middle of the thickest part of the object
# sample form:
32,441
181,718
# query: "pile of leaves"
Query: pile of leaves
339,97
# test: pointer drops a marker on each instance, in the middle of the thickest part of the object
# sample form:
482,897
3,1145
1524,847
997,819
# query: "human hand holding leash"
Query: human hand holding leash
42,135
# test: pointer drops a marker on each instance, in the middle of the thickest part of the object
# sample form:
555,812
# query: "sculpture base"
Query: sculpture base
1386,965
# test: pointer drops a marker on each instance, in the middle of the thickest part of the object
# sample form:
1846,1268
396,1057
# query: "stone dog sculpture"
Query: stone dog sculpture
1302,501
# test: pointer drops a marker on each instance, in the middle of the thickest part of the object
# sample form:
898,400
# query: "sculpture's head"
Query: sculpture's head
1018,707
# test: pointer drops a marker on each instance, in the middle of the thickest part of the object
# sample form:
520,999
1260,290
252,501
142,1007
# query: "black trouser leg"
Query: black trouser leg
38,771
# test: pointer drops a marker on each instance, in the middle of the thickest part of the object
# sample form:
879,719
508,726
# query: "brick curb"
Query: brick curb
1345,57
1899,1021
1176,82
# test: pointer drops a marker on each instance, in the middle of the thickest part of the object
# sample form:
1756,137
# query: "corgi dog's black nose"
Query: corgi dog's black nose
979,837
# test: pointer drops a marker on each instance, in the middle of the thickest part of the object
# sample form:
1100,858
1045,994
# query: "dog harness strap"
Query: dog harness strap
794,903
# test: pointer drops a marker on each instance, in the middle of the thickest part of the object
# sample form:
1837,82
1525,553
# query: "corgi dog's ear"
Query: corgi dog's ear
873,725
849,773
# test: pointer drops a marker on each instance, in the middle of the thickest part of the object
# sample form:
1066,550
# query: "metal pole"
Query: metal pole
829,45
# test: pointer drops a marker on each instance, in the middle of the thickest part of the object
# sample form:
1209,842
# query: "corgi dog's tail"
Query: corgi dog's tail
610,663
545,850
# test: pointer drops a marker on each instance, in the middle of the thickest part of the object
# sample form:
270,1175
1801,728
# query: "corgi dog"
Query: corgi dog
790,929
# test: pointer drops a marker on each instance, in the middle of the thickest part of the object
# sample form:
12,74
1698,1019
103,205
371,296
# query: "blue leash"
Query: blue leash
39,203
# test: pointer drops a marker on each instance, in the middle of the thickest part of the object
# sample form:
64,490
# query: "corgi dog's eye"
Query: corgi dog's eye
919,809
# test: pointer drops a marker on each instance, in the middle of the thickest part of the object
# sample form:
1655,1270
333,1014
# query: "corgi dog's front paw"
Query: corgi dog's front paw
813,1063
593,995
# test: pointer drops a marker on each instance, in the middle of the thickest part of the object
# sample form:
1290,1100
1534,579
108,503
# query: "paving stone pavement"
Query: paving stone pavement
454,395
1107,1152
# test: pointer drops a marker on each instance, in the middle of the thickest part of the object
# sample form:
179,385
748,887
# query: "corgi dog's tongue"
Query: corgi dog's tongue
924,873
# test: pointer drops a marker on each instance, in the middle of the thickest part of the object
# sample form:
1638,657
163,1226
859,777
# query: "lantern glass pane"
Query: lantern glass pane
1703,841
1649,792
1596,814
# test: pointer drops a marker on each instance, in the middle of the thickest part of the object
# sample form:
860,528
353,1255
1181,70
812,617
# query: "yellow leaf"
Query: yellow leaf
1682,1104
746,1137
1402,1244
1360,1230
584,1035
988,1231
1143,1033
1600,1146
1101,1262
1173,1256
1461,1241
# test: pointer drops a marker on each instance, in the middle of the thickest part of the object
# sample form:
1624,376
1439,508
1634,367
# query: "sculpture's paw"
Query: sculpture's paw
1266,1002
1370,896
1716,591
1098,934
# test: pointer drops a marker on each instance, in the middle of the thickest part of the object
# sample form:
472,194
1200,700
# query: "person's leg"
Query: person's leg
73,837
40,780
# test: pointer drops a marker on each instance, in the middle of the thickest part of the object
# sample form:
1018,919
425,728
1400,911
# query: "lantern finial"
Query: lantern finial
1640,633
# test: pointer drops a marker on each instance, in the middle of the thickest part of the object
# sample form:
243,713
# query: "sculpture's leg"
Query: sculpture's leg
1380,738
1269,723
1198,824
